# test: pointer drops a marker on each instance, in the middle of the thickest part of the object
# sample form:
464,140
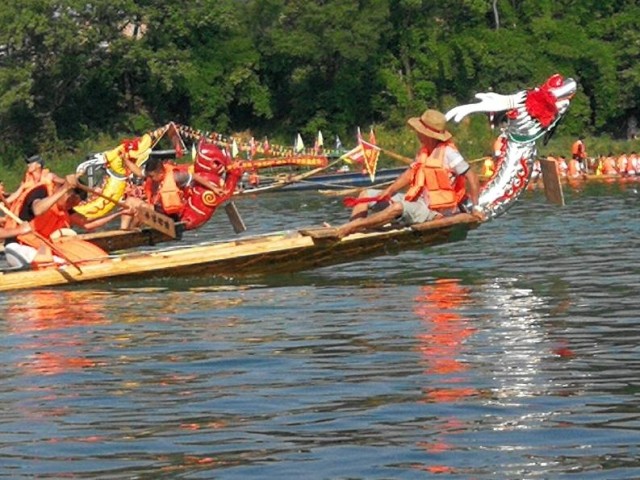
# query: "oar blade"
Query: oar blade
234,217
551,180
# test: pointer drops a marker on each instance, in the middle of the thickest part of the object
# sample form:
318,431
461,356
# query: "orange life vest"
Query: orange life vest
167,195
53,219
45,224
578,150
609,166
28,185
433,179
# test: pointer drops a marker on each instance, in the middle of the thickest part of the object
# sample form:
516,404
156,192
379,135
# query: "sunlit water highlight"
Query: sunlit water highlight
514,354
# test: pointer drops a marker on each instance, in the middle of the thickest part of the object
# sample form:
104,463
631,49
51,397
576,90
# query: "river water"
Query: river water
514,354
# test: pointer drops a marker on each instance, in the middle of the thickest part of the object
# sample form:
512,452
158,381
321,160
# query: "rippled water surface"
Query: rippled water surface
514,354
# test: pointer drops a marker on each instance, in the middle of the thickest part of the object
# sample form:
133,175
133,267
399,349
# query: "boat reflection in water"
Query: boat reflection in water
47,323
445,330
500,356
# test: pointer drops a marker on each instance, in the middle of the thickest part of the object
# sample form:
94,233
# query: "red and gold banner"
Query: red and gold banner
300,160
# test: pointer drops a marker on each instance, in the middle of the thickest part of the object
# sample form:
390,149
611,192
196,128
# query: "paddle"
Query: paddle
354,190
298,178
42,238
234,217
409,161
148,216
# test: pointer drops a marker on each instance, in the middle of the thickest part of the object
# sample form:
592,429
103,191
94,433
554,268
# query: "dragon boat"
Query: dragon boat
331,181
532,114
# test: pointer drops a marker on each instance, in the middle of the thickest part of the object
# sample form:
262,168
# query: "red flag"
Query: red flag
371,153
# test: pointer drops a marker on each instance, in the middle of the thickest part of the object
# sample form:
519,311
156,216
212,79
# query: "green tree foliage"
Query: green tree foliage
72,71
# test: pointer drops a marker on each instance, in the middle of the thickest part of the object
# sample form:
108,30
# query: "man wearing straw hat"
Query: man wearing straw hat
437,183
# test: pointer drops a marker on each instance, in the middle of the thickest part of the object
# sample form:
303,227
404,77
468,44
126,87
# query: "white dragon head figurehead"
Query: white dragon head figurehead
530,115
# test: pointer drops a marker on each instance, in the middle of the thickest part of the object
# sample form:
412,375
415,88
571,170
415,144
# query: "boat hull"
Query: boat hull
282,252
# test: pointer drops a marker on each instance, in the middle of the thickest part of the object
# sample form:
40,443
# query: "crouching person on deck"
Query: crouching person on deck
435,181
188,194
47,215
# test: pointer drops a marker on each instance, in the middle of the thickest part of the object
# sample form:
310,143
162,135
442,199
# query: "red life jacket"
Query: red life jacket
432,178
45,225
29,185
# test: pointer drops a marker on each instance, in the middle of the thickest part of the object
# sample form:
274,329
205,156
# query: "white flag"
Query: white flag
234,149
299,146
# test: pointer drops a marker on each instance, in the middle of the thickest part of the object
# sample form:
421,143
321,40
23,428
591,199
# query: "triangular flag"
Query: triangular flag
299,145
252,148
371,153
234,149
372,137
338,143
266,145
317,146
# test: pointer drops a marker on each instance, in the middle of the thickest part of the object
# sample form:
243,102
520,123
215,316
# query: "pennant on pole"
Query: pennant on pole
317,148
370,153
299,145
338,143
234,149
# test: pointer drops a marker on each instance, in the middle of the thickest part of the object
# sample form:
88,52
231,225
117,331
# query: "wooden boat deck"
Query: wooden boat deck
279,252
115,240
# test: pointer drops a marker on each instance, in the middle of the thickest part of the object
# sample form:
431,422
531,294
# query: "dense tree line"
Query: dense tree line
72,70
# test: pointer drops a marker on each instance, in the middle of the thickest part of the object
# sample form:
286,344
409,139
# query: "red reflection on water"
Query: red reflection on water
438,306
45,317
444,331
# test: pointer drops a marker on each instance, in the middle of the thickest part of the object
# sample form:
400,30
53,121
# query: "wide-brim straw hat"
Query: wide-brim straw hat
431,123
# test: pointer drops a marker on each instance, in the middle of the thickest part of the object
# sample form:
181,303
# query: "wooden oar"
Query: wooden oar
409,161
147,215
396,156
234,217
354,190
42,238
297,178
